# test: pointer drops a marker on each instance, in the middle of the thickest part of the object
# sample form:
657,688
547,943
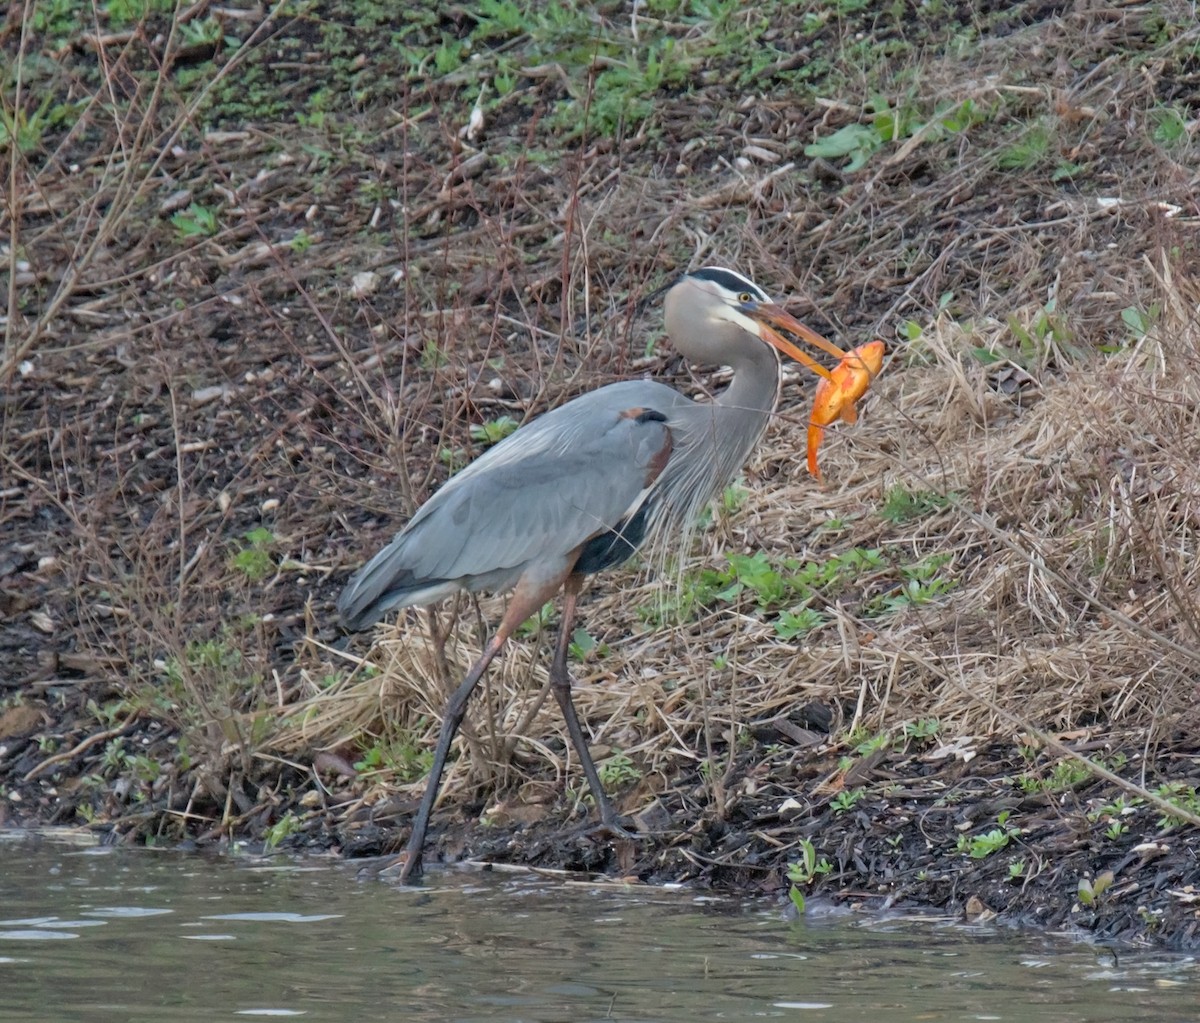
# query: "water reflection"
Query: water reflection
104,935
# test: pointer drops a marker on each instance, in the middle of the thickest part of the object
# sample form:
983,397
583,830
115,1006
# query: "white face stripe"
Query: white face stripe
734,315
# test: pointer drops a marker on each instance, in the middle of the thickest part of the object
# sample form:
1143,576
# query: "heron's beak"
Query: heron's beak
769,316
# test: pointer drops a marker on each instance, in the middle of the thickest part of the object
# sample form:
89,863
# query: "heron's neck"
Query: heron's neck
741,412
754,390
714,440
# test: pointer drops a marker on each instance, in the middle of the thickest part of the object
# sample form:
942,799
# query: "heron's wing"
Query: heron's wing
541,493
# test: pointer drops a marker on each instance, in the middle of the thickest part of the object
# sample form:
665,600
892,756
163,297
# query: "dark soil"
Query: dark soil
193,388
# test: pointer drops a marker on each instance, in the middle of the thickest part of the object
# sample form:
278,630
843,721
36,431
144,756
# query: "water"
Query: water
104,935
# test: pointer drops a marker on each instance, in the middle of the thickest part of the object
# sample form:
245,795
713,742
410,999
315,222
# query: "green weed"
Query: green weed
623,96
58,19
733,497
784,592
1140,322
1029,147
213,661
144,769
1090,891
195,222
979,847
127,12
27,131
1066,774
453,458
902,505
1040,342
583,645
255,561
791,624
618,770
114,757
252,96
858,142
865,746
432,357
111,711
1168,126
613,79
399,756
499,19
804,871
201,32
1178,794
449,56
287,825
926,728
494,430
919,585
1066,170
845,800
1114,811
534,624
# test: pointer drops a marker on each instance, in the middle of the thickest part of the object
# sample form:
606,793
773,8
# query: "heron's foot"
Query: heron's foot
379,866
412,869
617,829
611,825
404,868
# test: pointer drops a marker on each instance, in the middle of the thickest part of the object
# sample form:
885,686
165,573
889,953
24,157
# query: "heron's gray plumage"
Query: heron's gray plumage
541,492
581,469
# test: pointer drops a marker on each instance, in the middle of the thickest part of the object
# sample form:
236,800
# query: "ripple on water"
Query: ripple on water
36,934
270,918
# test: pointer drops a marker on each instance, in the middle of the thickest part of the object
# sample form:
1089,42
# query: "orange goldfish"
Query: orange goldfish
836,396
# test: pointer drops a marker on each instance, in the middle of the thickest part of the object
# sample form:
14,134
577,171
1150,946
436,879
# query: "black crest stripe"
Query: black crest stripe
730,280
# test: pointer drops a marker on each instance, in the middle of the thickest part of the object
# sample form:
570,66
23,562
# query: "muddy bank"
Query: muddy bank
988,830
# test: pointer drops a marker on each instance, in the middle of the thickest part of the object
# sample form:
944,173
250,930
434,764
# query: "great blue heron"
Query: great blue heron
580,488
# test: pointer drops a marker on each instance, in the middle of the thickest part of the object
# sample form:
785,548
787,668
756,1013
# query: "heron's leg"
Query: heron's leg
451,720
560,682
528,596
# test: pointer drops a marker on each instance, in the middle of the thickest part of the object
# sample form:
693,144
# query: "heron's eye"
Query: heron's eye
745,297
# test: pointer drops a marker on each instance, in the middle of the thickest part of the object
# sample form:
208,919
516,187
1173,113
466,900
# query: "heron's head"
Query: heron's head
717,316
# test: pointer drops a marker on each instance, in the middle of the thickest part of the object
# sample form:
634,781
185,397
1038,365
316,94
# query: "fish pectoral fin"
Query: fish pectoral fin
849,413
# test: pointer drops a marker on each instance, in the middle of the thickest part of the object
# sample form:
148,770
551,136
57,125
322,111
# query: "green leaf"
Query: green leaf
791,624
797,898
583,644
1065,171
1136,320
844,141
494,430
986,357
